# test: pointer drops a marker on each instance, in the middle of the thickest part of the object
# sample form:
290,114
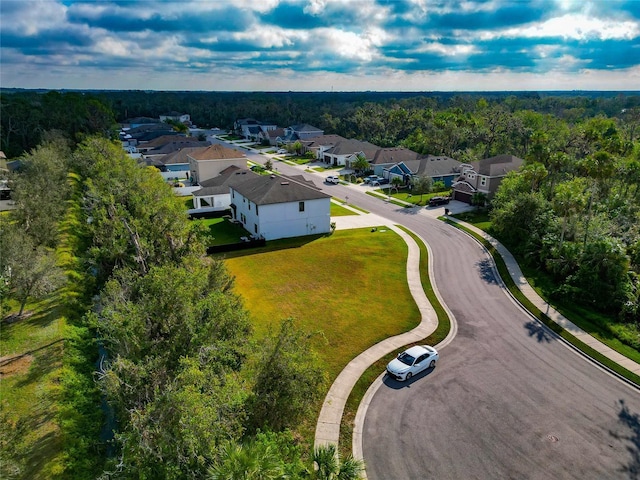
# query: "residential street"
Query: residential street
507,399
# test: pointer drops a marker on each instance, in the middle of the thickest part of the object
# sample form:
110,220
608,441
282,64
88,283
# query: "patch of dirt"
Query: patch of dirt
14,317
14,365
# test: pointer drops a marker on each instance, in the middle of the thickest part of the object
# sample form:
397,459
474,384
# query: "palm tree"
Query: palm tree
329,466
251,461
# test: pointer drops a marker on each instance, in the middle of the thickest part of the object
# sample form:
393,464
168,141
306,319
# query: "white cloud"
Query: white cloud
577,27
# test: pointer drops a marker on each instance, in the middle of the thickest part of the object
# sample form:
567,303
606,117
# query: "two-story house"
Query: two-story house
483,176
273,206
209,162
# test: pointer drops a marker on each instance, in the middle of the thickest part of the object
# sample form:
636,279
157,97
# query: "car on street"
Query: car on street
412,361
332,179
281,151
436,201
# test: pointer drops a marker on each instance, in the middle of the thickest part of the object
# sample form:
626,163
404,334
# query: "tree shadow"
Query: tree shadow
539,331
396,385
485,267
47,360
631,421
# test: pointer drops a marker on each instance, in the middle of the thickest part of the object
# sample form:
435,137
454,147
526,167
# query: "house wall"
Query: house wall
283,220
215,202
202,170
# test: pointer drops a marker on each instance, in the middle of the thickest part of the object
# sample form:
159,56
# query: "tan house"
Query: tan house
209,162
483,176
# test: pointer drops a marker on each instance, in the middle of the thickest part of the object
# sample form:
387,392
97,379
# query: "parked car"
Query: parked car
332,179
435,201
412,361
372,178
281,151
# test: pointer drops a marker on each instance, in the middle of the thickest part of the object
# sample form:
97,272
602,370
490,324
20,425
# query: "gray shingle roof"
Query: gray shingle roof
394,155
231,177
497,166
347,147
272,189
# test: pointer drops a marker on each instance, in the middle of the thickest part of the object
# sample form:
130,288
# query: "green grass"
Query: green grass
339,211
31,387
515,291
222,231
408,197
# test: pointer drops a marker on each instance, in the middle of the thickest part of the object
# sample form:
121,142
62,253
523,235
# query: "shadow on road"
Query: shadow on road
396,385
485,267
630,421
538,331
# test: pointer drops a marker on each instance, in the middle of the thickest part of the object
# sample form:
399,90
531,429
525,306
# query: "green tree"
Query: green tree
28,270
360,164
569,200
268,165
421,184
288,381
40,191
328,465
176,340
133,217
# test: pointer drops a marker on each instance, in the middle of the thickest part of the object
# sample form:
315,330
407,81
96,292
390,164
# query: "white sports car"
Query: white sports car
412,361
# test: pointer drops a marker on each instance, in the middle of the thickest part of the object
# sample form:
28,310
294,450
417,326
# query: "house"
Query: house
274,136
303,132
387,157
251,128
483,176
209,162
272,207
215,194
439,167
319,145
345,152
177,117
174,145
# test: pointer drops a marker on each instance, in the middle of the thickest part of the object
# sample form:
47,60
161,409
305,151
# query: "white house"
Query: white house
273,207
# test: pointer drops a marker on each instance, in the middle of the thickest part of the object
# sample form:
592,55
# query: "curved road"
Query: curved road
508,400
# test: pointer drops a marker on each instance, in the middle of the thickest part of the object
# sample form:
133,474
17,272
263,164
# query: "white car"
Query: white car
281,151
332,179
412,361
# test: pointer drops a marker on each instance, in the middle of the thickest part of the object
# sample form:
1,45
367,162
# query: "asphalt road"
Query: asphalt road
508,400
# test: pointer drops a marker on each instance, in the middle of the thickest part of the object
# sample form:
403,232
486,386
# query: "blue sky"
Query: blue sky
321,45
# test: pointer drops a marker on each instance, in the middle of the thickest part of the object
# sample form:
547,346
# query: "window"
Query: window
256,209
255,228
233,194
301,206
249,205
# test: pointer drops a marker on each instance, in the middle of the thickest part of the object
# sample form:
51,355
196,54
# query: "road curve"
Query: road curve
508,398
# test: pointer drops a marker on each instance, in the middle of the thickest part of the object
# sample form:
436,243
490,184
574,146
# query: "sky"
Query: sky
321,45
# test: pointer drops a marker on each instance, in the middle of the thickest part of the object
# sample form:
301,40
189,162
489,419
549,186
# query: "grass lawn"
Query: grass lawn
408,197
351,286
339,211
222,231
30,389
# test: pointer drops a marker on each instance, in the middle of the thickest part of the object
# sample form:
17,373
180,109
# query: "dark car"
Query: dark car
435,201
